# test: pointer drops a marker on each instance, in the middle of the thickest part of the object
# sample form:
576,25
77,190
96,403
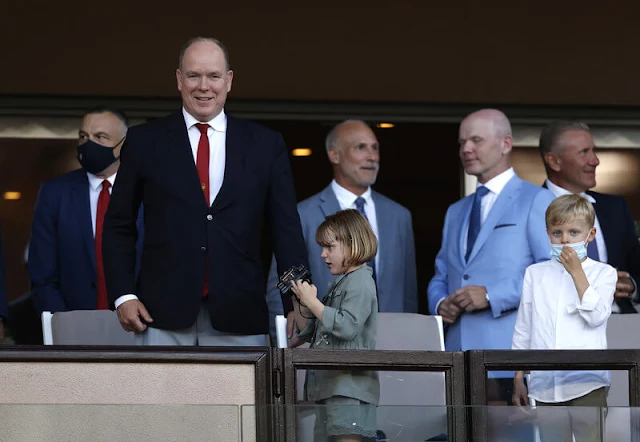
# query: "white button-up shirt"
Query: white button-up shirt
347,200
552,317
495,186
217,134
95,187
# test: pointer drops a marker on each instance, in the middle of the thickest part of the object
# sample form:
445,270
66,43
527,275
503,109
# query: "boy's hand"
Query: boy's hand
520,396
570,261
304,292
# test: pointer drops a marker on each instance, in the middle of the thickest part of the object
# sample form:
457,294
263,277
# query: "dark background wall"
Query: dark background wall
548,52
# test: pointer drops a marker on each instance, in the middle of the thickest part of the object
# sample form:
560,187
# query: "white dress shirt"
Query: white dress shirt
95,187
217,134
347,200
495,186
602,247
552,317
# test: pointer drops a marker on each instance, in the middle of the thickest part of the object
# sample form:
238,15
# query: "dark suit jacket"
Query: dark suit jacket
4,309
62,253
623,250
184,237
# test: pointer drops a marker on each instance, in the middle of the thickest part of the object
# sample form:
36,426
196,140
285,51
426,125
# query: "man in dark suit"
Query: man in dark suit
353,151
568,152
4,309
65,262
207,181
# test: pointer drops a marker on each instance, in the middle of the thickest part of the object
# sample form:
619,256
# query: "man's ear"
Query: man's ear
592,235
553,161
334,155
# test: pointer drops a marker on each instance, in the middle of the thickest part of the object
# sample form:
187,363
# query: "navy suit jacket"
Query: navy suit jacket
396,279
185,238
512,237
4,309
623,249
62,253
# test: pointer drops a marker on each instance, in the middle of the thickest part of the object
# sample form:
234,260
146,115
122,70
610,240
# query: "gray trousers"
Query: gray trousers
581,417
201,334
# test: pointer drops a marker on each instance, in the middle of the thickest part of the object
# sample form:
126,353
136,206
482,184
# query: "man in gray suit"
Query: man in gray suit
354,153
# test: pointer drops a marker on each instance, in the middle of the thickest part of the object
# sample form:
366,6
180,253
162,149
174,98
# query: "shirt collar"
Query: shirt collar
559,191
497,183
95,181
346,198
218,123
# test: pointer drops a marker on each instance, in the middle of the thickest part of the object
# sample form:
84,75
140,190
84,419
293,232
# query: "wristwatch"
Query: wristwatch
486,296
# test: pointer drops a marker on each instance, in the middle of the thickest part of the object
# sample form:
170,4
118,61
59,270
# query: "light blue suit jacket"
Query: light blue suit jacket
512,237
396,270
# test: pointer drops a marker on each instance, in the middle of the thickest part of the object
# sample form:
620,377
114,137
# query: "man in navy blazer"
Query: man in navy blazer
487,243
567,149
4,309
63,268
354,153
208,183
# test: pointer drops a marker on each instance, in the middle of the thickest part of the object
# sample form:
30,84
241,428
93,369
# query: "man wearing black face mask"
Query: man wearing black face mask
65,253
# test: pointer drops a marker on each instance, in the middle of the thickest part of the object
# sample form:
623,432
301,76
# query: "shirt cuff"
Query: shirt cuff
437,306
124,298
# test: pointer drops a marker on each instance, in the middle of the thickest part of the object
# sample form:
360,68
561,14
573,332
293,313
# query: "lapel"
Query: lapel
237,143
607,223
82,209
328,202
385,231
182,165
467,204
505,199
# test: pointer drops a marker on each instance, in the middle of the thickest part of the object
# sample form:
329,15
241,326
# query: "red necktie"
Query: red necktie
202,159
202,164
103,204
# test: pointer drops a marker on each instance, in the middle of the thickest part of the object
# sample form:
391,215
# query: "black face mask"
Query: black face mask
95,157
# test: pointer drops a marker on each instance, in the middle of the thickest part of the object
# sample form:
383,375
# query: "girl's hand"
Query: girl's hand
304,291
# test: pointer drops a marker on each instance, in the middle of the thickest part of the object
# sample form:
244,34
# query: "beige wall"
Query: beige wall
548,51
155,401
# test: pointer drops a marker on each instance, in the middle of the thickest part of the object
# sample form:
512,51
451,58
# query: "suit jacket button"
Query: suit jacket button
465,277
209,217
203,248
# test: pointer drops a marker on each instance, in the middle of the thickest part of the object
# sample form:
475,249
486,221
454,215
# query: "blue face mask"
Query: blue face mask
579,247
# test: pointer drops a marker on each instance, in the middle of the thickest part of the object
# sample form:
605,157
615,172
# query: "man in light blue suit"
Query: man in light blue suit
353,151
489,239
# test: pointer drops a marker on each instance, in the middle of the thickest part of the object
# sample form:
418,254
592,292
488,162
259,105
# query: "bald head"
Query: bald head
497,119
353,151
485,144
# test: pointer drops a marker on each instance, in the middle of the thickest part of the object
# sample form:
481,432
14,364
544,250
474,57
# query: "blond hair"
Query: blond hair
567,208
350,228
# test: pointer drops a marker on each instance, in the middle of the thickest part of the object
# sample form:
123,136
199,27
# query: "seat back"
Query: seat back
84,327
623,332
399,389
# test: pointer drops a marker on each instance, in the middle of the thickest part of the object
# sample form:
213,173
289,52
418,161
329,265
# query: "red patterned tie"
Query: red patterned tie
103,204
202,164
202,159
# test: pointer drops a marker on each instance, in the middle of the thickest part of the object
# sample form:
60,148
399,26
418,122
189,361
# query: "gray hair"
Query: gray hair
194,40
332,136
550,134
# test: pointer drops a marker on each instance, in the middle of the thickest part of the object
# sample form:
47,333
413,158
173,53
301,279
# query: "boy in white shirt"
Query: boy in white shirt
565,304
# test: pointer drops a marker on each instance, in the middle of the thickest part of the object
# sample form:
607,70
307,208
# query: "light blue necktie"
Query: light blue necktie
474,220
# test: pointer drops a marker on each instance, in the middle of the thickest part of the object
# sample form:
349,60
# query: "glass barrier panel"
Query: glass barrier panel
121,423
